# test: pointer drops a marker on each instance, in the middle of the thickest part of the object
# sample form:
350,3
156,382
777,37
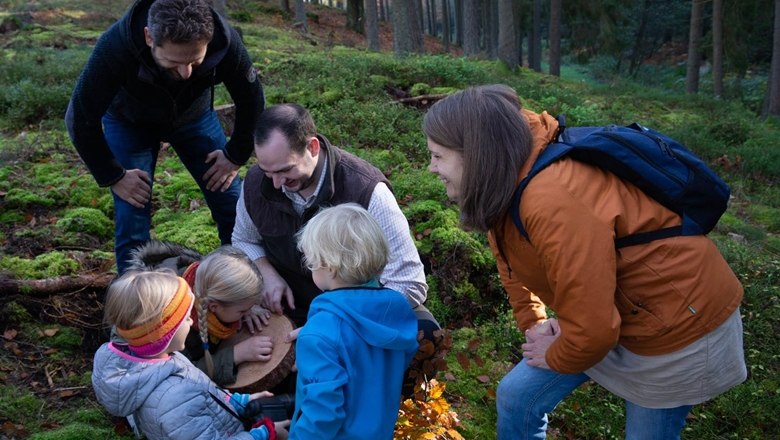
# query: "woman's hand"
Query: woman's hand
538,340
255,348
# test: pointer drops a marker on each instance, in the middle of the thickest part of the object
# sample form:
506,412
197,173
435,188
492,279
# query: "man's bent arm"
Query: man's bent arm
404,271
245,236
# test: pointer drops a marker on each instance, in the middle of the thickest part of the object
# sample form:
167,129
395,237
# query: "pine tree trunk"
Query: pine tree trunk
717,48
355,15
459,22
536,38
470,28
445,25
694,47
507,36
555,37
300,16
407,36
773,108
372,26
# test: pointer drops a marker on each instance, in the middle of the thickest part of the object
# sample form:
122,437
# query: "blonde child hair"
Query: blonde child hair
346,239
225,276
147,308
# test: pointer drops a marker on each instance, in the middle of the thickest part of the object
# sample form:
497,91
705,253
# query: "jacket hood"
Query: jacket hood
544,129
381,317
122,382
131,28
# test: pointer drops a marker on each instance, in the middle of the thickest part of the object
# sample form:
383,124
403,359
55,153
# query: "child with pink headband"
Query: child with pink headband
144,378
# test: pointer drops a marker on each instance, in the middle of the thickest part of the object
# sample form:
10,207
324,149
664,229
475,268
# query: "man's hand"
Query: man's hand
275,288
538,340
221,174
255,318
134,188
254,348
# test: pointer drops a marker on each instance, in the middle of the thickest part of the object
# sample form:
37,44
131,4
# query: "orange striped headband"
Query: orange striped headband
152,338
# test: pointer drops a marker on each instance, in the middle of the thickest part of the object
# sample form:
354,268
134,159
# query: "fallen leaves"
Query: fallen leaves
10,334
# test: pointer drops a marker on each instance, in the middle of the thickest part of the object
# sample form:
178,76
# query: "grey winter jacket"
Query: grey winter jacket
169,398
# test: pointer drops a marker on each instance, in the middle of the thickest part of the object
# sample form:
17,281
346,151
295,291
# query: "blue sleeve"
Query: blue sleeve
321,382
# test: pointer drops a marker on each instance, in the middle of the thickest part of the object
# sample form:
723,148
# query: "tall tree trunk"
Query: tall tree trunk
407,37
507,36
535,40
717,48
493,28
300,16
555,37
355,15
382,10
445,24
470,28
284,5
418,5
773,109
518,19
433,18
694,47
459,22
372,27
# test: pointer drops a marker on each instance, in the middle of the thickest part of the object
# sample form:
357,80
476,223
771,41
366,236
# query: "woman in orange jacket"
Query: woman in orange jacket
657,324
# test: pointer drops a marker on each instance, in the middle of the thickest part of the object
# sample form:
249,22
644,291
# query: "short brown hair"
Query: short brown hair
486,126
180,21
294,121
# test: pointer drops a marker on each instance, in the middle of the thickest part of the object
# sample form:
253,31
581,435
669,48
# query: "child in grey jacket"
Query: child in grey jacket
166,395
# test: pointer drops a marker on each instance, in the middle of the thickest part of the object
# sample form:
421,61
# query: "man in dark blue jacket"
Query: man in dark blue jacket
151,79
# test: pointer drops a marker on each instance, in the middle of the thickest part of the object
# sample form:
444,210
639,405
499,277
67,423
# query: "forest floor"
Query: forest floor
41,359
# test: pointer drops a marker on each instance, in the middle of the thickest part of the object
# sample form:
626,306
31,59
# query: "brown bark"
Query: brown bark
694,47
717,48
507,35
773,88
555,37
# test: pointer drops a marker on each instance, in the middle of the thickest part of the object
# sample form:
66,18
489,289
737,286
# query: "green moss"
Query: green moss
66,338
86,220
418,184
11,217
16,313
420,89
330,96
443,90
18,404
379,80
21,198
767,216
76,431
195,229
179,188
83,191
773,243
46,265
731,223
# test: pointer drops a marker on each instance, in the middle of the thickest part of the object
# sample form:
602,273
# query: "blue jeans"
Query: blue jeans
137,148
527,394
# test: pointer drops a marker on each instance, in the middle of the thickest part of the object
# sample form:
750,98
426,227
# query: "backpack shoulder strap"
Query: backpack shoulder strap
550,154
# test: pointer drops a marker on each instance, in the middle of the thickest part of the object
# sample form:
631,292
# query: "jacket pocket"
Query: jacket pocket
638,319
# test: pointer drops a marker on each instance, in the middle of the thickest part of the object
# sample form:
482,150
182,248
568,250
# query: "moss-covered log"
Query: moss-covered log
52,286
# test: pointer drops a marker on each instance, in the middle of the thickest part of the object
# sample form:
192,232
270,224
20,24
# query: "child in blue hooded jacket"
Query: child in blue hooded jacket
359,337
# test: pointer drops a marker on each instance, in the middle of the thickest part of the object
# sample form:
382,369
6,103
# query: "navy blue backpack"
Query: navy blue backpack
658,165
